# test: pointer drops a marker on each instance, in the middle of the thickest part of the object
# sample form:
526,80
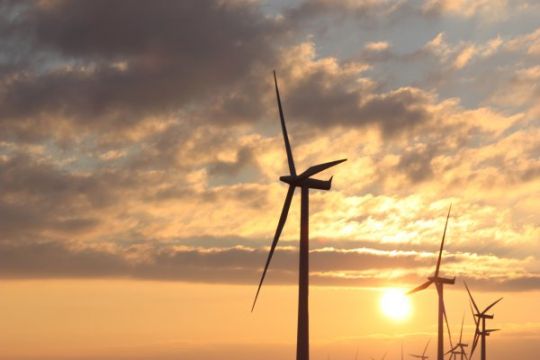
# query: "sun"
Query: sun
395,304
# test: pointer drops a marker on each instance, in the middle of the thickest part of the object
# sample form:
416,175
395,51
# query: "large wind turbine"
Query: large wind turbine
459,348
439,284
304,182
480,317
423,356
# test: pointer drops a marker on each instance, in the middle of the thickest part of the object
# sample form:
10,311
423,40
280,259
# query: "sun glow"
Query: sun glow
395,304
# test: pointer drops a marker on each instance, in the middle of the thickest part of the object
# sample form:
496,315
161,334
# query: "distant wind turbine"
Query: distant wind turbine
383,357
305,182
423,356
480,318
439,284
459,348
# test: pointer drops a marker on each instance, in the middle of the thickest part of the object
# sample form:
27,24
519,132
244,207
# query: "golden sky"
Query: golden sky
140,153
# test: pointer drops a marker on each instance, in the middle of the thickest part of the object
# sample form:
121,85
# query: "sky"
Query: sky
140,155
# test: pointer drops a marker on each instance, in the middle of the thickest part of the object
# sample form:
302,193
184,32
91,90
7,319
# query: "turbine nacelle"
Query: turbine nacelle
484,316
297,181
441,280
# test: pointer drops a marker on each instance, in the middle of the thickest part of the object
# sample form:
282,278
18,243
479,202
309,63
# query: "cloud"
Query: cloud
491,9
377,46
327,93
239,264
367,10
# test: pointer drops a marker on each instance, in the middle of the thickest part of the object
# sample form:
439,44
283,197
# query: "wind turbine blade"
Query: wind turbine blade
419,288
318,168
447,325
473,316
449,351
477,323
442,243
492,330
472,299
492,305
461,331
425,349
475,342
281,223
284,130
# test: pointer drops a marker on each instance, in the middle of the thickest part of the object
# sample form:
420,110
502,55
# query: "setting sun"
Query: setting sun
395,304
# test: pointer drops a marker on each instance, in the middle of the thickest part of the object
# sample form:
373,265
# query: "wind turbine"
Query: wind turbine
384,356
423,356
459,348
482,316
439,284
305,182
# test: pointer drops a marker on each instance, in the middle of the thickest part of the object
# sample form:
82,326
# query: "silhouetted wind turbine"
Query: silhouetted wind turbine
482,316
439,284
384,356
423,356
459,348
305,182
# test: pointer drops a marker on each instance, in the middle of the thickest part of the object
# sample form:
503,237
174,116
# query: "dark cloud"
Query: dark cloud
224,265
416,164
203,58
244,158
366,14
123,60
38,196
325,99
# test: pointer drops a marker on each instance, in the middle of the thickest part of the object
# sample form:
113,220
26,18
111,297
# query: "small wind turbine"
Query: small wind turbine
439,284
382,356
459,348
305,182
423,356
480,317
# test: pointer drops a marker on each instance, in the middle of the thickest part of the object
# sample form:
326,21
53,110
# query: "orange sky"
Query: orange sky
120,318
